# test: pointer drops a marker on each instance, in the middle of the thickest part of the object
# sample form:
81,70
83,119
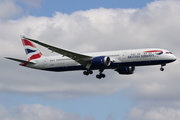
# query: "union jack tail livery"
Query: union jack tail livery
31,50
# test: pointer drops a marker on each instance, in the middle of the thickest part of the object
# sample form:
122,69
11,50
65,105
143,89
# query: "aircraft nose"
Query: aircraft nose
174,58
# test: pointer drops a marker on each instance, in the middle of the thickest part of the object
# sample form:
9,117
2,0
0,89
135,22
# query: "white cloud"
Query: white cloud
159,113
9,9
38,112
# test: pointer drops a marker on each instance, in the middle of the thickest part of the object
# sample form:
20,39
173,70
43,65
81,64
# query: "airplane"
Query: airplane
122,61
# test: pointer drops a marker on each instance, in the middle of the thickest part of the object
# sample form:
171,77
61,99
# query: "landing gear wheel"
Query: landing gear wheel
103,75
162,69
163,64
88,72
98,76
85,73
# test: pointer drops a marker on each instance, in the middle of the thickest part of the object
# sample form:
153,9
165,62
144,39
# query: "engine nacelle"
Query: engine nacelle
101,61
126,70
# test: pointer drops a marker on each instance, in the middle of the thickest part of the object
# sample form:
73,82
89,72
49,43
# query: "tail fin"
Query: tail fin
31,50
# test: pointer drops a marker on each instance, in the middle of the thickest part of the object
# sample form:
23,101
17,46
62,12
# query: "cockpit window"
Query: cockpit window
168,52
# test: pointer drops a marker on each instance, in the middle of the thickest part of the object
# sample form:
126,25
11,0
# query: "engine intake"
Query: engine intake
126,70
101,61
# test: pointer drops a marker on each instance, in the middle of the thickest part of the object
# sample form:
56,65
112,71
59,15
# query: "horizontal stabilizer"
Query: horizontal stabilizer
18,60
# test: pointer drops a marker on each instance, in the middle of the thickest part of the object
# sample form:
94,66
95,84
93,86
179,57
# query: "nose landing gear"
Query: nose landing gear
162,69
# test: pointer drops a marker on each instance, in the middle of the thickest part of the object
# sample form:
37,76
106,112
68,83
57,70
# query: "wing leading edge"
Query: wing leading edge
84,60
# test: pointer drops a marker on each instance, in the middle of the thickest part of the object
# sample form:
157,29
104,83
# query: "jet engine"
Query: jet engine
101,61
126,70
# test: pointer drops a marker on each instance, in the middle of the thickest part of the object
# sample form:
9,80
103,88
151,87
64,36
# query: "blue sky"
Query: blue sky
117,97
48,8
99,106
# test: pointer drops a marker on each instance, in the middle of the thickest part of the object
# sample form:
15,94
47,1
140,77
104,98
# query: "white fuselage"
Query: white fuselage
122,58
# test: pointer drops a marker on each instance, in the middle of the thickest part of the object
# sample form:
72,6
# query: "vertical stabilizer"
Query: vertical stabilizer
31,50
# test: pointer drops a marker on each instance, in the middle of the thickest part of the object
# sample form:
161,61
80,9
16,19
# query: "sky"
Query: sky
89,26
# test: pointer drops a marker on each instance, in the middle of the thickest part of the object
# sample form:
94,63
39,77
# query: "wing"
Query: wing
84,60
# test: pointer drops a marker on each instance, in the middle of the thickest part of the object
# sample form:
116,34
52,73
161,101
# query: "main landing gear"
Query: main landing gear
88,72
100,75
162,69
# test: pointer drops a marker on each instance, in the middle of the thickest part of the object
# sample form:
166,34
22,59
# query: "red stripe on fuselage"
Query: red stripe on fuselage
154,51
35,56
26,42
